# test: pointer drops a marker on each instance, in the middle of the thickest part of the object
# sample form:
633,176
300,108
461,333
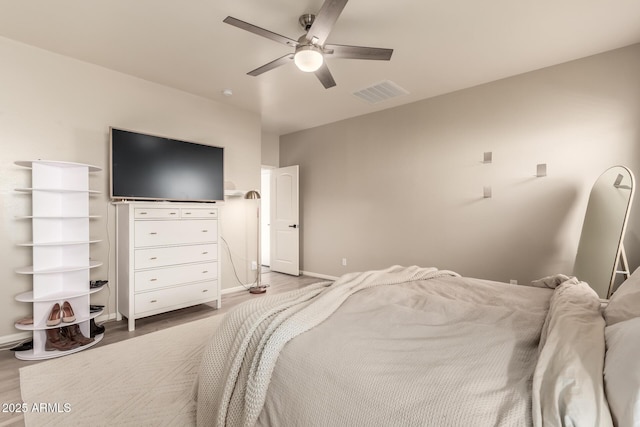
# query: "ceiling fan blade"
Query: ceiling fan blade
325,77
259,31
358,52
271,65
325,19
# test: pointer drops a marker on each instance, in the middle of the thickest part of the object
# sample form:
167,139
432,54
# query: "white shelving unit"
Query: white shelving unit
61,254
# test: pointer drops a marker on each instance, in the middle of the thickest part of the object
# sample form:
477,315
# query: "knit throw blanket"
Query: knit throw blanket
243,352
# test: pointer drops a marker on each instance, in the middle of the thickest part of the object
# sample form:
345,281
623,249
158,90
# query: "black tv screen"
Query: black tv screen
147,167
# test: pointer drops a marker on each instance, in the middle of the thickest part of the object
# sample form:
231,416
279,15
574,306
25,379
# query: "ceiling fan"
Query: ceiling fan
310,48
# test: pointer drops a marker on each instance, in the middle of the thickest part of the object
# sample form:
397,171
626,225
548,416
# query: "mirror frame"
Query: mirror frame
603,230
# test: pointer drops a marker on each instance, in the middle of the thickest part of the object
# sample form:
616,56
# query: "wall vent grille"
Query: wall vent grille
380,92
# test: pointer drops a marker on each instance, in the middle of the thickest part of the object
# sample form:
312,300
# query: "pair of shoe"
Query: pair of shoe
61,314
65,338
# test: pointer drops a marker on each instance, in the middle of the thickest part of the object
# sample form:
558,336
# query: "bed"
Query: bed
416,346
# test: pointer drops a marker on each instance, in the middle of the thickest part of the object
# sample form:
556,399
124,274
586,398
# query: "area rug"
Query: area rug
143,381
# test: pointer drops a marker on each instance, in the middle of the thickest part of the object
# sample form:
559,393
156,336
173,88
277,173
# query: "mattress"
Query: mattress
402,346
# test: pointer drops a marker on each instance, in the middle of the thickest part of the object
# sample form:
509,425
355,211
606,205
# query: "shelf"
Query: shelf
59,217
30,355
234,193
96,290
69,243
95,314
29,164
56,190
59,296
62,269
43,327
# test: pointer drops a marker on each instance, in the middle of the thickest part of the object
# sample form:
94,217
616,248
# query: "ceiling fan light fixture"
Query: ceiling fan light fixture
308,58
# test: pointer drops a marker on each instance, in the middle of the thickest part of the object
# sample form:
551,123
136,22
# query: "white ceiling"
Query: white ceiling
439,45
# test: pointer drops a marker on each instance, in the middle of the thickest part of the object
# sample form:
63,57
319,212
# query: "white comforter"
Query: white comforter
568,386
402,346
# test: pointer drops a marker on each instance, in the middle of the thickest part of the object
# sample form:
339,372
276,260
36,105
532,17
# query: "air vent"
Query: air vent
380,92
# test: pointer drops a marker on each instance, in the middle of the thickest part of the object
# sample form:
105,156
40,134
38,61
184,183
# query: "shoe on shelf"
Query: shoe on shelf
54,317
27,345
25,321
95,308
57,341
73,334
93,284
95,329
67,313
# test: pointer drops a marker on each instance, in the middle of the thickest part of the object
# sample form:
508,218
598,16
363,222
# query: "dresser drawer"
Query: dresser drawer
143,213
146,280
173,255
162,299
160,233
199,213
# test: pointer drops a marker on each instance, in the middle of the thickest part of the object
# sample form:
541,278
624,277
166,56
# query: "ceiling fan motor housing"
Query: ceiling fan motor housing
306,20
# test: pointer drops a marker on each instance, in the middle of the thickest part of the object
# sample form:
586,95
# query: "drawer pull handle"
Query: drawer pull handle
187,213
153,233
153,257
143,213
154,300
172,213
205,231
153,280
205,290
205,272
205,252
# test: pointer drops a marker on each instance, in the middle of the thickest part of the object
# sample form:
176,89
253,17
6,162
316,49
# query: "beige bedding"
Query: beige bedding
402,346
568,386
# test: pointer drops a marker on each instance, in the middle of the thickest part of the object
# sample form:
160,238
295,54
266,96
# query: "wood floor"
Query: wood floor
117,331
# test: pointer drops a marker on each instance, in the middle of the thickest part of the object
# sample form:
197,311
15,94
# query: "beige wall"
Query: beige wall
270,149
405,185
57,108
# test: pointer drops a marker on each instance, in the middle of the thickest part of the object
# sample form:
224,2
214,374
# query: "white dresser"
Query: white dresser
166,257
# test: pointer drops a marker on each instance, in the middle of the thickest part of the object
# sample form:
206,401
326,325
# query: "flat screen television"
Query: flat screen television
148,167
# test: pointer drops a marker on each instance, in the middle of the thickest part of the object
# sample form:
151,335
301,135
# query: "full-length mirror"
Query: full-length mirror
603,229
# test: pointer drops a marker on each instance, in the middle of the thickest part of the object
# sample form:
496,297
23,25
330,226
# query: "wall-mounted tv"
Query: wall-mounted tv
148,167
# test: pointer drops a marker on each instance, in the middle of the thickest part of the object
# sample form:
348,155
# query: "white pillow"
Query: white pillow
625,302
622,372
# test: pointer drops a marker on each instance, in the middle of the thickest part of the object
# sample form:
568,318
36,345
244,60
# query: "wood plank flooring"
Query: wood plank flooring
117,331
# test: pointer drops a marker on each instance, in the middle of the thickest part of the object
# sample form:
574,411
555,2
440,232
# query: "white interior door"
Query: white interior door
285,225
265,217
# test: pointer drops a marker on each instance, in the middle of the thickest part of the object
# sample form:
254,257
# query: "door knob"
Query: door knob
294,226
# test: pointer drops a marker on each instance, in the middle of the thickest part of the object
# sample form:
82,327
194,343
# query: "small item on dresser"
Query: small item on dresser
73,334
54,317
95,329
57,341
67,313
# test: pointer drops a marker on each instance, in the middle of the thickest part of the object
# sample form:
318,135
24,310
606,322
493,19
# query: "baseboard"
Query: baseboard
234,290
319,275
106,317
15,338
